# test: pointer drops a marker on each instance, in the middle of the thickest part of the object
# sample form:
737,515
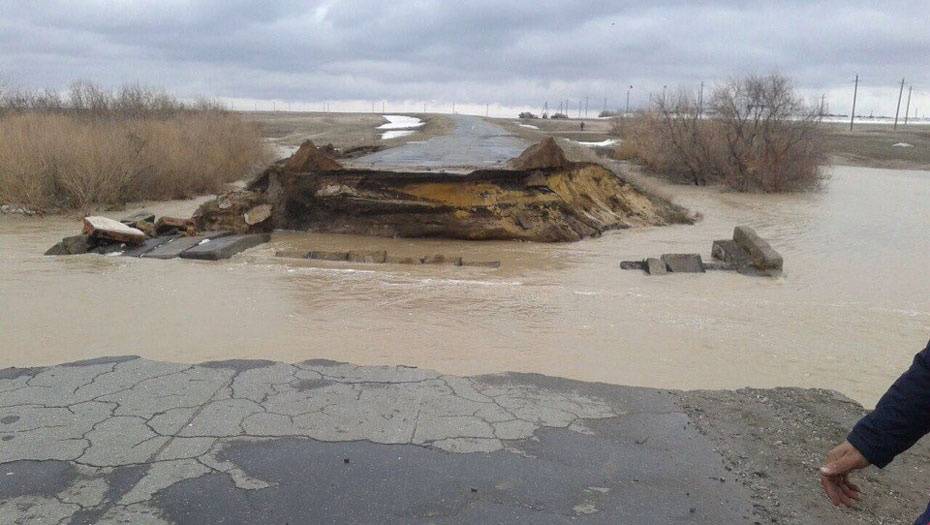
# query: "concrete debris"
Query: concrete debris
656,267
381,256
110,237
239,211
764,257
225,247
104,228
746,253
75,245
166,225
258,214
135,218
683,262
368,256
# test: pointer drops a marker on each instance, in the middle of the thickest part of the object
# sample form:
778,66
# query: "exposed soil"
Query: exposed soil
774,440
552,200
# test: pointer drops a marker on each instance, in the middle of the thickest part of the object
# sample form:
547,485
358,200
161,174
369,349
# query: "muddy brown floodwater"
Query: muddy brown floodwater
850,311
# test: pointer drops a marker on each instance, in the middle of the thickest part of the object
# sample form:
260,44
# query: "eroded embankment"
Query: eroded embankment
542,198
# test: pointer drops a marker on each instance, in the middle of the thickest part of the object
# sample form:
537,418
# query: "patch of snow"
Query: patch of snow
602,144
201,243
528,126
401,122
395,133
902,145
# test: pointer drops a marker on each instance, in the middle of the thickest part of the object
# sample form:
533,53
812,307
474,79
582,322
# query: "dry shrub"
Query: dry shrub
754,134
77,159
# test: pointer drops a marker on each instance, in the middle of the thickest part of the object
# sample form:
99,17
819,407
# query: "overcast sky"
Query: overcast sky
511,54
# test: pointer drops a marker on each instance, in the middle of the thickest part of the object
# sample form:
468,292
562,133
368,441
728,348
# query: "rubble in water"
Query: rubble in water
548,199
746,253
140,235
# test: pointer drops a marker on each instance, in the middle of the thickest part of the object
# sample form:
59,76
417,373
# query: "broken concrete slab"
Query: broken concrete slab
73,245
167,224
149,245
367,256
225,247
683,262
292,254
174,248
441,259
106,228
142,216
632,265
656,267
764,257
258,214
482,264
731,253
396,259
328,256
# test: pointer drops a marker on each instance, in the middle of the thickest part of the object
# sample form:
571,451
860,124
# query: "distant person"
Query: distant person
901,417
582,126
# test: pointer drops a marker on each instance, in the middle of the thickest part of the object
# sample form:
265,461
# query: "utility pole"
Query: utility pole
628,100
907,108
701,99
822,97
898,110
852,116
585,107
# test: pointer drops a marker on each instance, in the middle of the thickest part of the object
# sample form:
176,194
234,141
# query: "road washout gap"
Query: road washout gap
541,196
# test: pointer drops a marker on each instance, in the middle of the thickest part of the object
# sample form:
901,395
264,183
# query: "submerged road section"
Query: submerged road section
128,440
473,143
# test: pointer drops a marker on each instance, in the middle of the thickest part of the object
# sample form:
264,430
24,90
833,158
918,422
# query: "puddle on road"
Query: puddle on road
849,313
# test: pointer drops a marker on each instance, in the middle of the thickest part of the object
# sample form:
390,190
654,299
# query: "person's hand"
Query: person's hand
834,474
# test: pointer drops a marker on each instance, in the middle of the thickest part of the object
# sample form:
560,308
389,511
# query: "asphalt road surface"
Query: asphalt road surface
473,143
136,441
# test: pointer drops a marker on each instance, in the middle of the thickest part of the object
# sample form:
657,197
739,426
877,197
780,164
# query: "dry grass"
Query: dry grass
754,134
68,159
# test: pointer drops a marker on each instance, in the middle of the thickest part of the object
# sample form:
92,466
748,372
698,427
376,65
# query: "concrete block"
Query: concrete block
656,267
367,256
633,265
225,247
482,264
441,259
142,216
173,249
395,259
733,255
329,256
73,245
149,245
683,262
293,254
105,228
764,257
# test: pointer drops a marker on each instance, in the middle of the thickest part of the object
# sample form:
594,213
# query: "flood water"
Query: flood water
848,314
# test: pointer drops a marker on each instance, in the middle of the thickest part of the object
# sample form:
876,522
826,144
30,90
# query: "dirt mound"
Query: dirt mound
544,155
309,158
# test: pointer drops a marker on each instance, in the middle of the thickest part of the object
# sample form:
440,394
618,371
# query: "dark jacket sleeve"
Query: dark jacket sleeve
901,417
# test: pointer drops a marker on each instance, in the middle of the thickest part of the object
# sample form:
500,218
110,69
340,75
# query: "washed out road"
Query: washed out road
136,441
473,143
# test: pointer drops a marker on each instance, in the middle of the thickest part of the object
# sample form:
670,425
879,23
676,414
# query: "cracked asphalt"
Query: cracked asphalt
473,143
129,440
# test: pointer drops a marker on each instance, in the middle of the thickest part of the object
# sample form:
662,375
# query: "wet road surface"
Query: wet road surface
473,142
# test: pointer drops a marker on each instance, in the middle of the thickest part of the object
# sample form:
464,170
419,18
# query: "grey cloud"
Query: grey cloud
513,53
